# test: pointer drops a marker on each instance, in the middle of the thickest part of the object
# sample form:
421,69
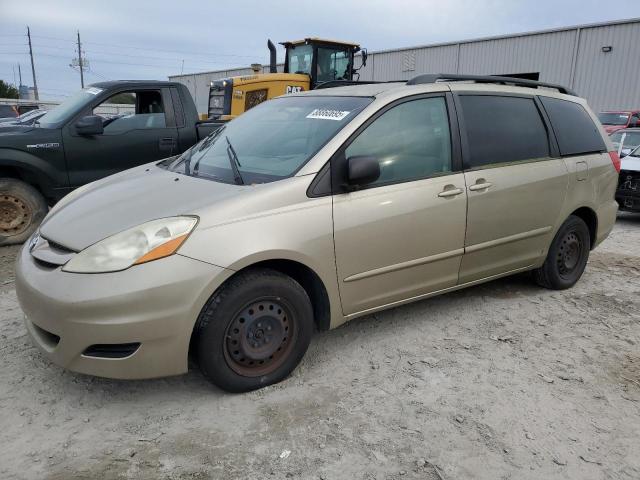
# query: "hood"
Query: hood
13,129
630,163
127,199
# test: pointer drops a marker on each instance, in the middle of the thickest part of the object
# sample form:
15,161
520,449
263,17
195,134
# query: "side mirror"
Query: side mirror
362,170
89,125
365,55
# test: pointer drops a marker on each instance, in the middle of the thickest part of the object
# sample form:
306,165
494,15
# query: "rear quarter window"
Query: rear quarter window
575,131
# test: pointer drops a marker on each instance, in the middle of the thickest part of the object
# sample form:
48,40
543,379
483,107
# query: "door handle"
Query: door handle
477,187
452,192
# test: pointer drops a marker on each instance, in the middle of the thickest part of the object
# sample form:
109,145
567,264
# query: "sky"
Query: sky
154,39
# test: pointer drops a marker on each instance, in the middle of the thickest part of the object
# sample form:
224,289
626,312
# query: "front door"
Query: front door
136,132
515,188
403,235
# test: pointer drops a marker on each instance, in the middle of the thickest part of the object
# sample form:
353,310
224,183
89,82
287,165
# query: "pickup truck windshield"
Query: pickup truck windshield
69,106
270,141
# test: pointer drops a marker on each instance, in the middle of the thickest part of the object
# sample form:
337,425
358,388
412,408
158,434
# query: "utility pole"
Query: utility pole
80,61
33,68
19,79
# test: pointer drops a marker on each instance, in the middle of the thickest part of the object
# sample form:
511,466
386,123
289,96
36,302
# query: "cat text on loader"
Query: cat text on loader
308,64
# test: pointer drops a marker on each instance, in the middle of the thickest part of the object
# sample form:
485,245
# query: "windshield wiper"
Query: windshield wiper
235,163
201,146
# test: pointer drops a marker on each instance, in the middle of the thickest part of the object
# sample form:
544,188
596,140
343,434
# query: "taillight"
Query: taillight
615,159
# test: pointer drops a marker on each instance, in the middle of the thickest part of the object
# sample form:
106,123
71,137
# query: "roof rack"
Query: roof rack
520,82
342,83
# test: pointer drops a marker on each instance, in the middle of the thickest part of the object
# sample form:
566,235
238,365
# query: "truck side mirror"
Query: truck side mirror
89,125
362,170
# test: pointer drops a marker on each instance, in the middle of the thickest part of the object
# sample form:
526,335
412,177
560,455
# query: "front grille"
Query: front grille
629,181
45,264
49,254
255,97
57,246
116,350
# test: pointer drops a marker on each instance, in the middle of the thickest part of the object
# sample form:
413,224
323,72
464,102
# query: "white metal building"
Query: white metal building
599,61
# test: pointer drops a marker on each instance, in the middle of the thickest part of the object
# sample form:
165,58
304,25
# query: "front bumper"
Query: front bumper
154,304
628,192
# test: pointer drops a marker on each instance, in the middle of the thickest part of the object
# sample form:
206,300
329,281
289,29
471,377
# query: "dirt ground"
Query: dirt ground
501,381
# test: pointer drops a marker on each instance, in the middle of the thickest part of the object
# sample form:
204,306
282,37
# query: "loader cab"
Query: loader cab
308,64
322,60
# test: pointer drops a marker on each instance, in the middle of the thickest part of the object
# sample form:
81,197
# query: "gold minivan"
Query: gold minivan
310,210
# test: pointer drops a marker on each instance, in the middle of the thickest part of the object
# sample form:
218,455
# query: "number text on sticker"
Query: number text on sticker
325,114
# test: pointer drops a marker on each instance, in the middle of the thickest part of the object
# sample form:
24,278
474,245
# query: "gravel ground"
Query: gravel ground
503,380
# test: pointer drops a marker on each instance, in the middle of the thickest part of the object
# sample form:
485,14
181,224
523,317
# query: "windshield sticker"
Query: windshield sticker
325,114
93,90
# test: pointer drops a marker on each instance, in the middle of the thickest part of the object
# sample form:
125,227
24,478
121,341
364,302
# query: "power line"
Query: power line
114,54
131,47
172,51
95,52
172,65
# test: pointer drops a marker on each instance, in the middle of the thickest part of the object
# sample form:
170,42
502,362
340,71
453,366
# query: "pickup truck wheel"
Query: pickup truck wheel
22,208
254,331
567,256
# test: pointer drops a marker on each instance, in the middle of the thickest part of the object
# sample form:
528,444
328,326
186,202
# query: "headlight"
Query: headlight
141,244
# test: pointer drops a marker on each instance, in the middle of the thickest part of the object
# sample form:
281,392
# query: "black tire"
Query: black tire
567,256
22,208
254,330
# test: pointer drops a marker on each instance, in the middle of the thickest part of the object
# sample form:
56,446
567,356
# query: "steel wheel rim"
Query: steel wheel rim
569,254
260,337
15,215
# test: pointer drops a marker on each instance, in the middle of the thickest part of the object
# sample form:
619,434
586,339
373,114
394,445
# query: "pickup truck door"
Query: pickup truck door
129,139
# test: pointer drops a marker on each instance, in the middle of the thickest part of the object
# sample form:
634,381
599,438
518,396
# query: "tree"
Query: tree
7,90
126,97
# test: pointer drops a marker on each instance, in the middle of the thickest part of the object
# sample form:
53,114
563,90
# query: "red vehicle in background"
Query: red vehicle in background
617,120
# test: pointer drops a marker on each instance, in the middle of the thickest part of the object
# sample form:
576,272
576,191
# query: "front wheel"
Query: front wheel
567,256
22,208
254,331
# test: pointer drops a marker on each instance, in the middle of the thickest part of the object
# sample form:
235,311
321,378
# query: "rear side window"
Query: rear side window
502,129
575,130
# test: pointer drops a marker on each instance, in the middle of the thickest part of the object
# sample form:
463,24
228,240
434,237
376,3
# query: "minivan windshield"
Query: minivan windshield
613,118
271,141
69,106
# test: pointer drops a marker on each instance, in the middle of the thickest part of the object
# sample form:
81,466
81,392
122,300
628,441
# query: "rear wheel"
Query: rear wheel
254,331
22,208
567,256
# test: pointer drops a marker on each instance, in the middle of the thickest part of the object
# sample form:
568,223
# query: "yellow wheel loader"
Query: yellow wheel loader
309,63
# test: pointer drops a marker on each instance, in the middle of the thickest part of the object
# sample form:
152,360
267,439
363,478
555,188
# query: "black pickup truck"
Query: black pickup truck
81,141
